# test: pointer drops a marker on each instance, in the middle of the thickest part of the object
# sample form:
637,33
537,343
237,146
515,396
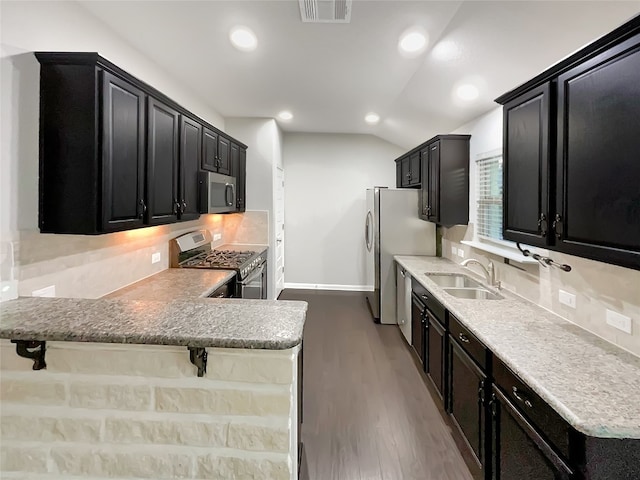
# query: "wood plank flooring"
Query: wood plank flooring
367,412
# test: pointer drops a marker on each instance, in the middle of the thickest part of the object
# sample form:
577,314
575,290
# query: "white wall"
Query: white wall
326,176
264,153
78,265
598,286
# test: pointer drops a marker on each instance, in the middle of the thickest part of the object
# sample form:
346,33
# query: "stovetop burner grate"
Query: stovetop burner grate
220,259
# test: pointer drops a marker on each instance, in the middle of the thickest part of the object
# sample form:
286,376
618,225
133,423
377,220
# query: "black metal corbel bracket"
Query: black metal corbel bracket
198,357
33,349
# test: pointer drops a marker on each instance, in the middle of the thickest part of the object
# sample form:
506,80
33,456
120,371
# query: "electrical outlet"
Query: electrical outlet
156,257
217,236
49,291
461,253
619,321
566,298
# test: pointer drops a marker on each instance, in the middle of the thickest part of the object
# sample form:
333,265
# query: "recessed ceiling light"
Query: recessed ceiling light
243,38
372,118
413,41
467,92
447,50
285,115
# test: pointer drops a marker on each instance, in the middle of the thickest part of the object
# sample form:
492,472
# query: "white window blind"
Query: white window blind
489,194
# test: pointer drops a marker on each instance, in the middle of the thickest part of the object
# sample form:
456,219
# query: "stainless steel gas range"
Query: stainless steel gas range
193,250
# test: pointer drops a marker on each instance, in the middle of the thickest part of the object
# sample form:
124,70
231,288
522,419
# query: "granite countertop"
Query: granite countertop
175,284
591,383
154,311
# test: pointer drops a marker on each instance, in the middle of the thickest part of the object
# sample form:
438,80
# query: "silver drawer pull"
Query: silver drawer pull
463,338
424,297
521,398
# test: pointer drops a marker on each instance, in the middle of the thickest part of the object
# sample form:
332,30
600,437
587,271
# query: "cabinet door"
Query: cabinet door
598,194
234,159
433,211
241,181
406,172
398,173
467,383
526,168
518,450
417,328
122,154
162,163
224,155
436,349
190,159
424,184
209,150
414,169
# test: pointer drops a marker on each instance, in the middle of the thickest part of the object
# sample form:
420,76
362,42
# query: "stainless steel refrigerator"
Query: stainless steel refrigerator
392,227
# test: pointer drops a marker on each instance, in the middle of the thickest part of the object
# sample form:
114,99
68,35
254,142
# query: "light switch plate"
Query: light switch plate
619,321
454,250
461,253
566,298
217,236
49,291
156,257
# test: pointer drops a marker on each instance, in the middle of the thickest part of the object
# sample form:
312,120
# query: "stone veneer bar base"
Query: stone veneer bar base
140,411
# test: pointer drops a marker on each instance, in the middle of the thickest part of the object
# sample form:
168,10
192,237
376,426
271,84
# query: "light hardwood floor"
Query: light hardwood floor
367,411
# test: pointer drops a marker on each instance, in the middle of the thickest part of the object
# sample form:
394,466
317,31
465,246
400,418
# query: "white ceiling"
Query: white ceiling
331,75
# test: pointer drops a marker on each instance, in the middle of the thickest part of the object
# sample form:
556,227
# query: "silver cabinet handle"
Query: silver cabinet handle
463,338
424,297
144,208
521,398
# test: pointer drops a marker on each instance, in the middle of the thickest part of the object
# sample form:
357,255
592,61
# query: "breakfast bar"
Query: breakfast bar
151,383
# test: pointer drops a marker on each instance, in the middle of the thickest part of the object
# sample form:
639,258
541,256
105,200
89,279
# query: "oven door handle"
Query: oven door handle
257,272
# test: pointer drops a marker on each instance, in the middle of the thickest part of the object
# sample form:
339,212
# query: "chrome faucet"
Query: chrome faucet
489,271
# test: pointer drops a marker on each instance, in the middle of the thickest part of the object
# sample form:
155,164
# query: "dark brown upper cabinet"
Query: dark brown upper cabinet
190,159
216,155
408,171
123,154
238,166
162,163
444,195
526,174
571,148
597,211
114,152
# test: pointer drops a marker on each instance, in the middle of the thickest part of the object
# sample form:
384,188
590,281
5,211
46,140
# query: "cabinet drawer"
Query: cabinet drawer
430,301
468,341
546,420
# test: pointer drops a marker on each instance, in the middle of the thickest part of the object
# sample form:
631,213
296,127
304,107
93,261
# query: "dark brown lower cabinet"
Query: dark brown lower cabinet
436,349
467,400
418,321
519,451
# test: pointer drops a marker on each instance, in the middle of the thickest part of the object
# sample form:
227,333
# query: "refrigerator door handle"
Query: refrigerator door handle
367,230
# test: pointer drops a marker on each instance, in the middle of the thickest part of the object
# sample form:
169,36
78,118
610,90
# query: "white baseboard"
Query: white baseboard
329,286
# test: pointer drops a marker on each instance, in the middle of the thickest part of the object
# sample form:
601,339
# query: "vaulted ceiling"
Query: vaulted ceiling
330,75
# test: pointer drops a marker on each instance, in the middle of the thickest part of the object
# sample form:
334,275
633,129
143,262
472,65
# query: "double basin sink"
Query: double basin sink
461,286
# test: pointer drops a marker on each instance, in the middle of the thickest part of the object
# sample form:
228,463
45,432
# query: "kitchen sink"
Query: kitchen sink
473,293
453,280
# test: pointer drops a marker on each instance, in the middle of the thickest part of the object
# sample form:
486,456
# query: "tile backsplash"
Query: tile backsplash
82,266
597,286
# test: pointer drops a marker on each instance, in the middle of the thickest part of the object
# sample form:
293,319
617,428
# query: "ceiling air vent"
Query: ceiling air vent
325,11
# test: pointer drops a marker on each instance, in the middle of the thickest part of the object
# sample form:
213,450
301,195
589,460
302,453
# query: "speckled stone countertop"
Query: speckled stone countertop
154,311
591,383
175,284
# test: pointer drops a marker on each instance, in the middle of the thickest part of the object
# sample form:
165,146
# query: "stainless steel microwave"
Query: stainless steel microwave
217,193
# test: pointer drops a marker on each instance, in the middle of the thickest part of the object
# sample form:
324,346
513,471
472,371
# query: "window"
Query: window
489,195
